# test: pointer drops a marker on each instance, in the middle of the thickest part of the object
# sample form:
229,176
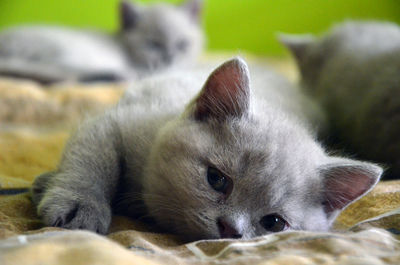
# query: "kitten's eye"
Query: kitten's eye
182,45
217,180
154,44
273,223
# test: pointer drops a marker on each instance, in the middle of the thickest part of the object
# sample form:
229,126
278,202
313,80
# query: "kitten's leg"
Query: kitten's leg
80,192
39,186
40,72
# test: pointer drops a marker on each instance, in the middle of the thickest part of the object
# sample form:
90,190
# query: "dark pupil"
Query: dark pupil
273,223
216,179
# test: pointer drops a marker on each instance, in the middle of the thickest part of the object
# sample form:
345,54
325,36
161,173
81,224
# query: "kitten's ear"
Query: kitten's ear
345,181
194,9
226,92
128,14
297,44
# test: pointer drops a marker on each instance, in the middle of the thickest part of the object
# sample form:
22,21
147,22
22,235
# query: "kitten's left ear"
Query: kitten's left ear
194,9
129,14
226,92
297,44
345,181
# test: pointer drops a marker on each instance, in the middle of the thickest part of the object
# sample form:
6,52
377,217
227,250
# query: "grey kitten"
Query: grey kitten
354,71
150,38
232,159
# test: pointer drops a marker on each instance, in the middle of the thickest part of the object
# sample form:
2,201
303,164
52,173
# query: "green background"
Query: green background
238,25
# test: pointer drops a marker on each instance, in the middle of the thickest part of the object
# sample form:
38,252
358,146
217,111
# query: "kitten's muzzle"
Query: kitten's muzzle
226,230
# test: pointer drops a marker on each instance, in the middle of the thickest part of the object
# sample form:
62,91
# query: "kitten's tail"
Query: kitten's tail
13,191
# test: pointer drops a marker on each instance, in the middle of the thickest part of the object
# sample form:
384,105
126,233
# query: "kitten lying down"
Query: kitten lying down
354,72
222,157
151,38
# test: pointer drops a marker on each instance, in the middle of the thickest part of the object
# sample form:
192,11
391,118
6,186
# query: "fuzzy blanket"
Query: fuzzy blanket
34,124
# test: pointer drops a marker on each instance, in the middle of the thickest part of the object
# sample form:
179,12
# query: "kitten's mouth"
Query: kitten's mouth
226,230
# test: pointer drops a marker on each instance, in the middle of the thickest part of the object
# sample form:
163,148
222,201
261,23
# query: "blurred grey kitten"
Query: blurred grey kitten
150,38
216,157
354,71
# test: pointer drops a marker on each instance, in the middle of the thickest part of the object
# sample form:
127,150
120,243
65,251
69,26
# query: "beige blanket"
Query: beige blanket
34,124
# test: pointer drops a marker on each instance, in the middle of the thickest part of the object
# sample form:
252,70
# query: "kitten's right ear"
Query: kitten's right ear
297,44
345,181
194,9
226,92
128,14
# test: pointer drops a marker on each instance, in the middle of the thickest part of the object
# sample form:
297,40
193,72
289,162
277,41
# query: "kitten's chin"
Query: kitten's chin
155,65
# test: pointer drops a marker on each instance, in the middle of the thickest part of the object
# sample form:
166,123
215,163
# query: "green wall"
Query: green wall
239,25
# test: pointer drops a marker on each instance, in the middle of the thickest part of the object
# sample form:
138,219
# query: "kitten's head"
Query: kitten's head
310,56
159,35
222,170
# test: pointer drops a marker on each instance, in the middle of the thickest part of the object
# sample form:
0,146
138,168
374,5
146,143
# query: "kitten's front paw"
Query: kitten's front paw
40,186
64,208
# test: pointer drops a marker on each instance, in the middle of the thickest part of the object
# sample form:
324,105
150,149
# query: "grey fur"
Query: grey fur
39,187
157,36
354,71
150,154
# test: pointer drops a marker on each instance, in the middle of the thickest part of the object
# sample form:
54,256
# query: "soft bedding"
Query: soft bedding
35,122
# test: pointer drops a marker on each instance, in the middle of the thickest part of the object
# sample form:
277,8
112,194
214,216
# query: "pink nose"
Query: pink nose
226,230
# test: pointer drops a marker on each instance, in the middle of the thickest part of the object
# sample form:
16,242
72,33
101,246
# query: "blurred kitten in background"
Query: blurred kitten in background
150,39
354,71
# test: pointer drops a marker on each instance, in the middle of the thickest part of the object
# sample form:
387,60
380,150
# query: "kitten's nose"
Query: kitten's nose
167,57
226,230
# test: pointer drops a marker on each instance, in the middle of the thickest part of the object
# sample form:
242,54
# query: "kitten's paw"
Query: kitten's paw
66,209
39,187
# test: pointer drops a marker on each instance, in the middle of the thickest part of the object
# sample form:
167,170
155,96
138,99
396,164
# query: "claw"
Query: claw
71,214
58,223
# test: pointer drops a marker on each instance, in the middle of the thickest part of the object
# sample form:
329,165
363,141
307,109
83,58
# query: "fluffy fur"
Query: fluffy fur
354,71
150,155
150,38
